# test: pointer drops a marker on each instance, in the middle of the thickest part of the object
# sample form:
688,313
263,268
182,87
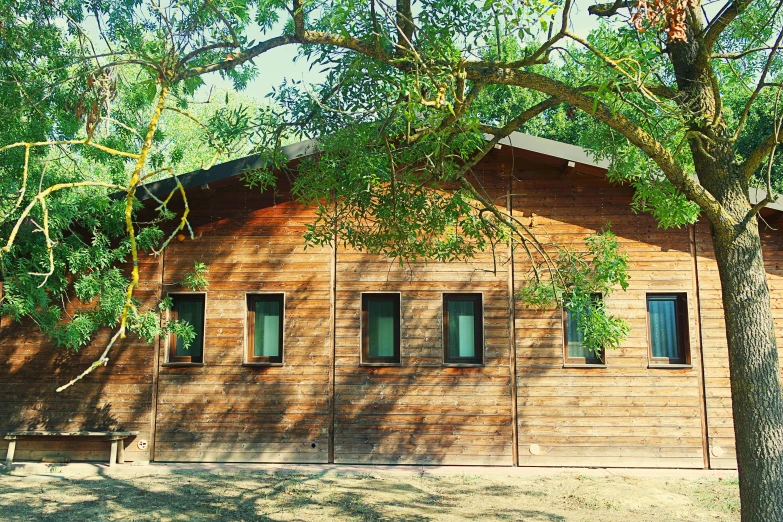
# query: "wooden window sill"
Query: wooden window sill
665,366
584,365
262,364
182,364
463,365
379,364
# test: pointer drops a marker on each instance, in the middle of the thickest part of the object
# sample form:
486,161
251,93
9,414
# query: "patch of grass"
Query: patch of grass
468,479
583,502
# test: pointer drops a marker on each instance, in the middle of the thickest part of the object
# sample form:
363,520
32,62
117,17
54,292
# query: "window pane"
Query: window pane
576,345
193,313
462,324
381,319
663,327
266,338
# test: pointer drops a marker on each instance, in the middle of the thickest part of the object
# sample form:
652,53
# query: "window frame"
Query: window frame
172,359
592,362
364,329
681,326
478,328
248,358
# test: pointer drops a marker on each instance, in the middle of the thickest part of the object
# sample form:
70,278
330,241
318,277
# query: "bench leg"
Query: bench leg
9,457
121,452
113,455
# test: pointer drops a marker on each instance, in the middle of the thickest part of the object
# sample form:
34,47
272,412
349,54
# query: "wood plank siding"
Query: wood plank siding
421,412
116,397
223,410
521,405
716,364
624,413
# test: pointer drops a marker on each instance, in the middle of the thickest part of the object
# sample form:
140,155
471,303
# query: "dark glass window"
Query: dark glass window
463,335
188,308
264,341
381,328
576,351
668,328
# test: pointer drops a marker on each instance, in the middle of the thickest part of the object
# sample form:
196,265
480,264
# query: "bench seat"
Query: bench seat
116,454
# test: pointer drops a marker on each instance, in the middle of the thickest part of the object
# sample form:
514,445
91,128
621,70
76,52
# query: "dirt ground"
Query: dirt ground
69,493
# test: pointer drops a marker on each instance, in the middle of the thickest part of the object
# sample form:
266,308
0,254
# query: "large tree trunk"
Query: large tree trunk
757,397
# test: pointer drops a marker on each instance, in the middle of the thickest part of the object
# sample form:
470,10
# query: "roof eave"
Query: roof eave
225,170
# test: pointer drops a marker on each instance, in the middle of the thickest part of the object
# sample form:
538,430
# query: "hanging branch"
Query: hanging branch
134,181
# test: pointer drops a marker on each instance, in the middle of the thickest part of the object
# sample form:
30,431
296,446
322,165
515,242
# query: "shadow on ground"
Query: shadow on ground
290,496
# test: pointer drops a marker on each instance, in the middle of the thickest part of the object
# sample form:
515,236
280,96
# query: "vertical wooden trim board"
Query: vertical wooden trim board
156,367
333,341
512,337
700,345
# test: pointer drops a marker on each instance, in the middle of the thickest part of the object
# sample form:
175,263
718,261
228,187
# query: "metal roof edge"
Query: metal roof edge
301,149
757,194
554,148
222,171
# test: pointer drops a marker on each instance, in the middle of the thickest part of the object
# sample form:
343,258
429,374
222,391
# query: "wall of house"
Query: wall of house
225,411
625,414
420,412
716,358
115,397
720,425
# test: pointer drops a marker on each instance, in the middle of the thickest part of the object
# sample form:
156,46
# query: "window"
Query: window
667,325
463,329
187,308
381,328
576,351
264,343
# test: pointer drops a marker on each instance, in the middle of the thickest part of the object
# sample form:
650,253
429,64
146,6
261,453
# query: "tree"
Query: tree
684,99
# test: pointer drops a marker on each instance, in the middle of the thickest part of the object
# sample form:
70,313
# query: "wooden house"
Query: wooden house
319,355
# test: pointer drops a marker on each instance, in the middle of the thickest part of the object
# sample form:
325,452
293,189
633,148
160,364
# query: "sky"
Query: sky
279,64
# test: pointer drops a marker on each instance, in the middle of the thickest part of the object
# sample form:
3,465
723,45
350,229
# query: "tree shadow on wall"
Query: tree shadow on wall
112,398
225,410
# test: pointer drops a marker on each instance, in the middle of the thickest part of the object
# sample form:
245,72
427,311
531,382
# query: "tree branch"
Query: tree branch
536,57
299,21
761,153
737,56
492,73
241,57
225,22
85,142
134,182
759,86
45,193
720,22
405,25
612,64
610,9
206,48
770,197
515,123
630,130
102,360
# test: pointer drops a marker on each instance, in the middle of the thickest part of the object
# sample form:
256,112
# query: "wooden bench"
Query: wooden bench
117,453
